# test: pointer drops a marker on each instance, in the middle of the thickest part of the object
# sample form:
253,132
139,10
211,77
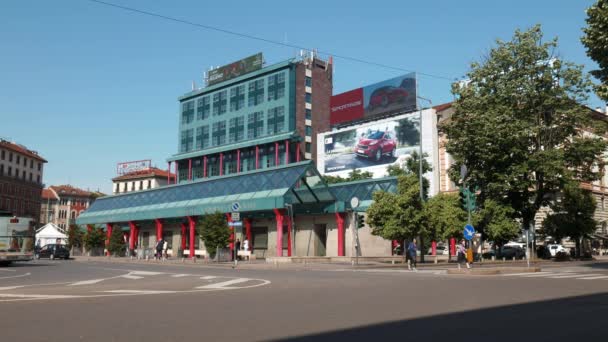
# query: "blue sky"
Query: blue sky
89,86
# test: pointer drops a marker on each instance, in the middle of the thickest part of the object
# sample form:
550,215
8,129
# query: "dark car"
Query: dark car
507,252
376,145
52,251
387,95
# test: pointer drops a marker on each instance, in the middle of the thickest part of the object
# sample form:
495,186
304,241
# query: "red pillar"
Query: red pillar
286,152
257,157
205,167
238,161
191,222
289,236
132,235
89,228
247,222
183,236
168,173
232,239
108,234
176,172
434,248
221,164
452,246
159,229
279,217
298,152
340,224
276,153
189,169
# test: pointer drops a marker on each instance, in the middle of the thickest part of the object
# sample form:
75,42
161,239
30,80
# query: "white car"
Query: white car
521,245
556,248
441,250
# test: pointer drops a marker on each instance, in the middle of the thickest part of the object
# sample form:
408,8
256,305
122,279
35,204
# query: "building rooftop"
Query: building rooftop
9,145
65,190
144,174
48,194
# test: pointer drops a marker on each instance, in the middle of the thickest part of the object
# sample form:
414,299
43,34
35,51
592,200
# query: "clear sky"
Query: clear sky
88,85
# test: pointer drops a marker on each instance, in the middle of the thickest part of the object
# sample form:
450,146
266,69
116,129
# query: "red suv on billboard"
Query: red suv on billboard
376,145
384,96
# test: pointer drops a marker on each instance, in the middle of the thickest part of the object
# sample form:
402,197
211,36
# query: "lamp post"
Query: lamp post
420,170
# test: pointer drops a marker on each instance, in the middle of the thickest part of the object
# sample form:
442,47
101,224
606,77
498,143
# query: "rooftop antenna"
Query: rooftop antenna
193,86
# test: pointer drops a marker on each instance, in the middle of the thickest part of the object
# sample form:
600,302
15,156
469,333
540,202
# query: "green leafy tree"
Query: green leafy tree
95,238
398,216
518,125
596,42
407,133
444,216
354,175
572,216
117,244
496,223
75,236
214,231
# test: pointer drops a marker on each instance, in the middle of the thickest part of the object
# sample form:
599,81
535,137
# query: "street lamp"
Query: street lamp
420,160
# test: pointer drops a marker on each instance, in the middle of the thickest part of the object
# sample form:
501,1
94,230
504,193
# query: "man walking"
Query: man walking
411,251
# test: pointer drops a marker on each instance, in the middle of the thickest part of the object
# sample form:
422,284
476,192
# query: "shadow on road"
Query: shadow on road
599,265
575,318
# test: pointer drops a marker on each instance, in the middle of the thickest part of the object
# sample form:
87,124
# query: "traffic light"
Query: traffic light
464,198
472,198
360,220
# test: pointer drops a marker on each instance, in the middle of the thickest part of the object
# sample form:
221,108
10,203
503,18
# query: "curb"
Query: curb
493,271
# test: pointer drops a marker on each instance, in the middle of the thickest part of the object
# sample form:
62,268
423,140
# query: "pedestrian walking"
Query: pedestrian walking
462,254
411,251
246,244
238,248
159,249
165,247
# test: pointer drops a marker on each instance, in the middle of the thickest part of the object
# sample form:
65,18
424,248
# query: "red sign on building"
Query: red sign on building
346,107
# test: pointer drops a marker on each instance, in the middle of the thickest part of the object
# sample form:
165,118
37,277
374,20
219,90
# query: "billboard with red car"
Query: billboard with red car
394,96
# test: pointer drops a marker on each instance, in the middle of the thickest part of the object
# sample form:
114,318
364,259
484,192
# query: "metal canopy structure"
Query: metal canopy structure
363,190
268,189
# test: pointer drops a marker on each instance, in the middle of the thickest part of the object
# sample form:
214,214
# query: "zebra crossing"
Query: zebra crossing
560,275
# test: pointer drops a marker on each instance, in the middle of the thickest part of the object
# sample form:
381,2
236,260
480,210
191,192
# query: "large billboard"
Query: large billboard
236,69
132,166
373,146
394,96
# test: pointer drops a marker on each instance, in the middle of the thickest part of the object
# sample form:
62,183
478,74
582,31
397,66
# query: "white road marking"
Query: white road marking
522,274
593,278
129,276
180,275
17,276
208,277
224,284
36,296
145,273
87,282
11,287
7,270
140,291
540,274
572,275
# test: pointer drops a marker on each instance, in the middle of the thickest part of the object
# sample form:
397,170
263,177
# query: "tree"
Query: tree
596,42
398,216
354,175
444,216
572,216
75,236
214,231
117,243
496,223
408,133
94,238
519,125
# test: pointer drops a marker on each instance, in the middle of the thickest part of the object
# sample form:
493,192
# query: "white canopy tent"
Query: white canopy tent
50,233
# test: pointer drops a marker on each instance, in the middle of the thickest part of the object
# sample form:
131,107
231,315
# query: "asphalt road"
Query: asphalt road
100,301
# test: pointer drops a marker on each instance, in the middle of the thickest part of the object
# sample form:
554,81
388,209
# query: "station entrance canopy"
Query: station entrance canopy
263,190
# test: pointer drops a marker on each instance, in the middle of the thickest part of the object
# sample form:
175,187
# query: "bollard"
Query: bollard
393,262
504,259
513,258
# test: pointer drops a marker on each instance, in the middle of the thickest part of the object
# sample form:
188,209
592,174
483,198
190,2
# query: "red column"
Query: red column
108,234
286,152
131,235
232,239
279,217
89,228
221,164
183,236
340,224
257,157
176,172
247,222
434,248
189,169
276,153
298,152
205,167
168,173
159,229
289,236
238,161
191,222
452,246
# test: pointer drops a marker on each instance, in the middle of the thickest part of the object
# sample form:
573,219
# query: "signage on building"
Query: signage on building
394,96
133,166
236,69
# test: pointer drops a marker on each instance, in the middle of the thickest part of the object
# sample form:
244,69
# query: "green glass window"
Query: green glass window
308,147
187,140
237,98
203,108
202,137
276,86
308,114
218,133
236,129
309,131
220,102
187,112
308,98
256,92
255,125
276,120
308,81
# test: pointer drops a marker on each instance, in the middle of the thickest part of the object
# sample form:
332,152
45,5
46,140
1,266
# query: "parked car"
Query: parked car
441,250
507,252
52,251
387,95
556,248
376,145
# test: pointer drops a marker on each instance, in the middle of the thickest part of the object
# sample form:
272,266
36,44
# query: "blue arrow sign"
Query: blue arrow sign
469,232
236,206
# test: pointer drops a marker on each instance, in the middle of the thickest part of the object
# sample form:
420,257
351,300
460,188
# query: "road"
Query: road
102,301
